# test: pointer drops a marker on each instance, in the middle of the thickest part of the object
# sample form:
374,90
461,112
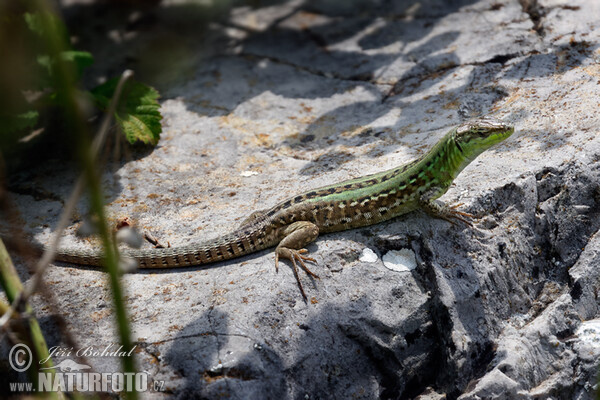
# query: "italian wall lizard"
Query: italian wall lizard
297,221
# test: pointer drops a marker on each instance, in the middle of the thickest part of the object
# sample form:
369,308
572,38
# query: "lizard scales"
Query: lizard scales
364,201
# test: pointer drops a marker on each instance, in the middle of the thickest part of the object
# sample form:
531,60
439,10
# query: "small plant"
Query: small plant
31,86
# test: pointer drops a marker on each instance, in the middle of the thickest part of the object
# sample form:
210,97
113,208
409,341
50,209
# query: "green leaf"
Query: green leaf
81,59
45,61
44,24
34,23
47,24
19,122
138,112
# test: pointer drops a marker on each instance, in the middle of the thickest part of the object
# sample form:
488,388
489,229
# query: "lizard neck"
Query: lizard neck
435,170
444,161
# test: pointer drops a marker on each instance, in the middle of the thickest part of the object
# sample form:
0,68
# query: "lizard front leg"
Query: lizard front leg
441,210
295,237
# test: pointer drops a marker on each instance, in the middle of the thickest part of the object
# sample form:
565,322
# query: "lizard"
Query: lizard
292,224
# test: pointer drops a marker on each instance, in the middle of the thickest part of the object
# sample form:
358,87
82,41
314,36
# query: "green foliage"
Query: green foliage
18,123
44,25
138,112
36,25
79,60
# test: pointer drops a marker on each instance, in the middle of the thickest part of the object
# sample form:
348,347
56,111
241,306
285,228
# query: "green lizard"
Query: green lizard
296,222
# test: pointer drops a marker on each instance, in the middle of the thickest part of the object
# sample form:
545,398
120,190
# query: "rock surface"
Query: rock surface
286,96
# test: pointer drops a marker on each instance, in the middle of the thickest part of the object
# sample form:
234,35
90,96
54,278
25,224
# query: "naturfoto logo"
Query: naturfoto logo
68,375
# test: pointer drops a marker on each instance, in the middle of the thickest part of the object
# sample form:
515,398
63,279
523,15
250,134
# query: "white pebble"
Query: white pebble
400,260
368,255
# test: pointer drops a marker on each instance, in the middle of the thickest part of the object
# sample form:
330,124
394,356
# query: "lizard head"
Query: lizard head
474,137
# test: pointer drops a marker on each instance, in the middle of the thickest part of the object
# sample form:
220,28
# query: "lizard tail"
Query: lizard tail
235,244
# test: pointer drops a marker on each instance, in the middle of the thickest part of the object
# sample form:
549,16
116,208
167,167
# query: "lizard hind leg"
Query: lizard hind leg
295,237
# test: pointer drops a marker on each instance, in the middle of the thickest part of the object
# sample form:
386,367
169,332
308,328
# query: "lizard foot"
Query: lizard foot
453,214
295,255
443,211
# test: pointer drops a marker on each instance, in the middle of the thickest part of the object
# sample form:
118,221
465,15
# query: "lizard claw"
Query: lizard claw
454,214
300,257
